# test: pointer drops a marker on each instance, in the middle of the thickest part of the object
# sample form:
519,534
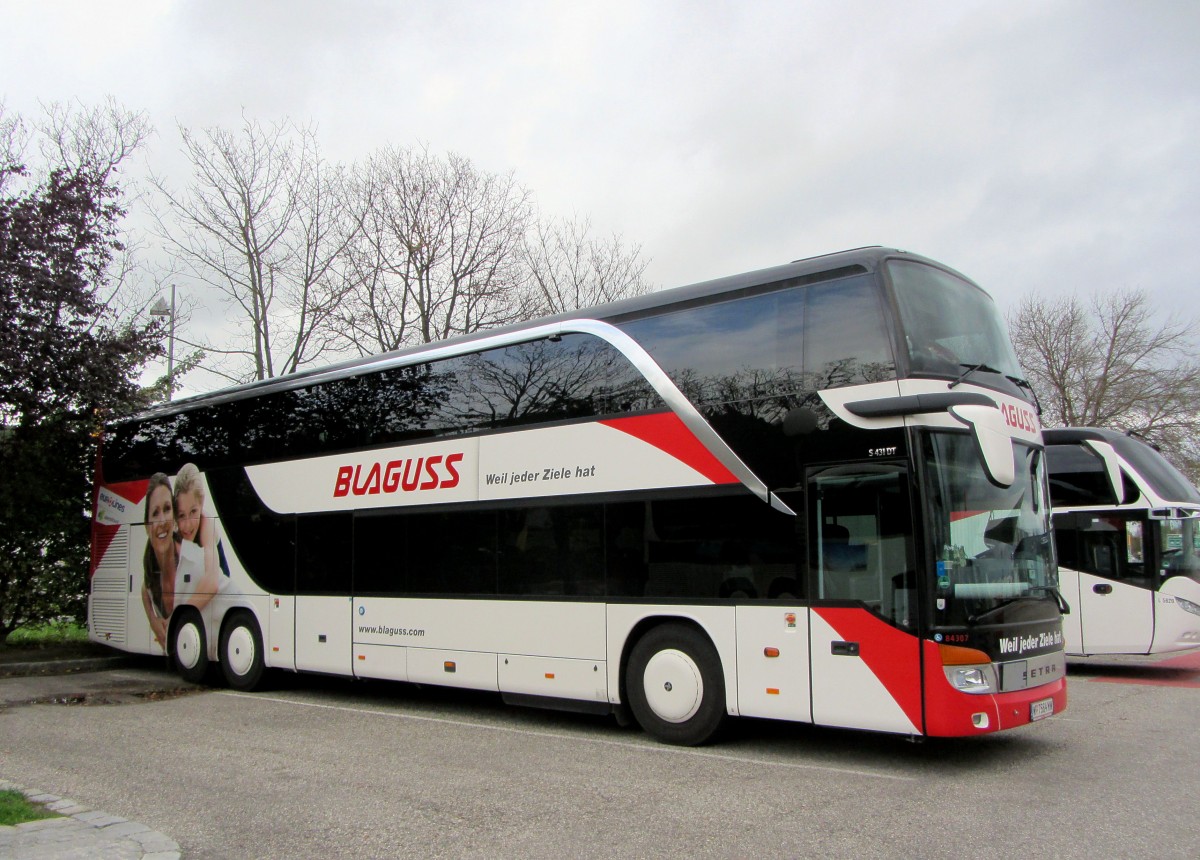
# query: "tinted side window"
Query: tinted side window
575,376
729,351
1077,477
440,553
324,543
263,542
552,550
450,553
845,337
726,546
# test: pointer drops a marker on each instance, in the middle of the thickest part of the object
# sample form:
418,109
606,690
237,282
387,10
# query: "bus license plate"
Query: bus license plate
1041,709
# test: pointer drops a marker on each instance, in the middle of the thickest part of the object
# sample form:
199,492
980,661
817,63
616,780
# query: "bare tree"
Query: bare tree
14,137
1110,364
100,137
570,269
436,252
265,223
100,140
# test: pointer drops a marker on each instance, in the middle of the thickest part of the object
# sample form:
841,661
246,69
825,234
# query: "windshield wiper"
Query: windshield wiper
971,368
1024,383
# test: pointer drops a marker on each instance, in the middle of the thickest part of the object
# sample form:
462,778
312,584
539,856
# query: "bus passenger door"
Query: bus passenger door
1103,554
865,655
1116,591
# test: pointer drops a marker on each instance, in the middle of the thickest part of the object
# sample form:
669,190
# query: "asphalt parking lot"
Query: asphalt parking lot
333,768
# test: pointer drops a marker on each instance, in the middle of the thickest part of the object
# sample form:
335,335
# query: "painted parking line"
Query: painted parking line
1181,671
647,747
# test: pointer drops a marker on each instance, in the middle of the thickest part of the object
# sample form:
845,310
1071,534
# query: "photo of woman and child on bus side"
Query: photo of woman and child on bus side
182,563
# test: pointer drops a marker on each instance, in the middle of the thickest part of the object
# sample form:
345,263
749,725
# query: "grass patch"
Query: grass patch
54,633
15,808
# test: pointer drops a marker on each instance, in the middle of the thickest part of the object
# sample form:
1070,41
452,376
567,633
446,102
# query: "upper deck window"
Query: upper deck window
805,338
949,324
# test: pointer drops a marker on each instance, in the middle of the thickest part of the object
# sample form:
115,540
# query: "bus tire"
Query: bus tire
241,651
189,646
675,686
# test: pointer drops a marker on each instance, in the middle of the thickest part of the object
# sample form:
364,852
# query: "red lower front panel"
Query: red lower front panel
953,713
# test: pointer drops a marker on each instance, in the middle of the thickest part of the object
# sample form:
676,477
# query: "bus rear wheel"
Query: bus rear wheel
189,647
675,686
241,652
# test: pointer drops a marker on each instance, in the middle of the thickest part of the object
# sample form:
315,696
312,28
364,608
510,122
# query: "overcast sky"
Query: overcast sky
1047,147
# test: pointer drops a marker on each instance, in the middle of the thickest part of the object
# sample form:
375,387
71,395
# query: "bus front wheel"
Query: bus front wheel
241,652
675,687
189,647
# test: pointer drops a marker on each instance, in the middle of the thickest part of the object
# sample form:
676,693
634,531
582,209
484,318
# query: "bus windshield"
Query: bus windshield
949,324
992,544
1179,545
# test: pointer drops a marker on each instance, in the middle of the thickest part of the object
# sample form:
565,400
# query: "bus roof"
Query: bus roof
1171,485
819,268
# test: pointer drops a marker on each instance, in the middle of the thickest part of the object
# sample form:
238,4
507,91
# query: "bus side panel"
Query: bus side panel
473,670
772,662
536,628
539,648
1117,618
583,680
1174,627
111,587
323,634
279,634
116,613
385,662
865,673
718,623
1072,622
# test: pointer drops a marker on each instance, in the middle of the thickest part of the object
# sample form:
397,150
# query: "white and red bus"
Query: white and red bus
814,492
1127,529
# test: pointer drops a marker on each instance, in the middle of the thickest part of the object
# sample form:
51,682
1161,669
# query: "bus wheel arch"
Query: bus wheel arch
241,650
673,681
188,644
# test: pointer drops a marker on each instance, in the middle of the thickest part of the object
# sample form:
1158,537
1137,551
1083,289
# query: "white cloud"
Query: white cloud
1035,145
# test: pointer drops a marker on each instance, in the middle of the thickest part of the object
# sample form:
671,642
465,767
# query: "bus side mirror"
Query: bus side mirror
993,442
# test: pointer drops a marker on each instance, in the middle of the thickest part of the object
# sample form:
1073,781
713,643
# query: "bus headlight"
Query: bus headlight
970,679
968,669
1188,606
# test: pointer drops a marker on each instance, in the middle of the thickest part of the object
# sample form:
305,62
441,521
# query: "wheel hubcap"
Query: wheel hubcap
674,688
187,645
241,650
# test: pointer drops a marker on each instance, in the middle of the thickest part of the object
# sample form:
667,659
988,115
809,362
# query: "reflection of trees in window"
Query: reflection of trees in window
770,394
365,410
575,376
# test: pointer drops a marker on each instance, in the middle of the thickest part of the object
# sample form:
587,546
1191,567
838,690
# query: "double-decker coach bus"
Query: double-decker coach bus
814,492
1126,527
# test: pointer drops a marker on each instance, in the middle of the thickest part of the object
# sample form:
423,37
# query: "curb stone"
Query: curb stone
81,832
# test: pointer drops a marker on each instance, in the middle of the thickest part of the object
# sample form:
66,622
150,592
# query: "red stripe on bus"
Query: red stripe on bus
130,491
892,655
667,432
102,538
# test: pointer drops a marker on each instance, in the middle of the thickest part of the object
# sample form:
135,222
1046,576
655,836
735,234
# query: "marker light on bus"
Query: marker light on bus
968,669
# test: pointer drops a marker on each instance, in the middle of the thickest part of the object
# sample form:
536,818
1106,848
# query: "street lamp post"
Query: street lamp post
160,309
